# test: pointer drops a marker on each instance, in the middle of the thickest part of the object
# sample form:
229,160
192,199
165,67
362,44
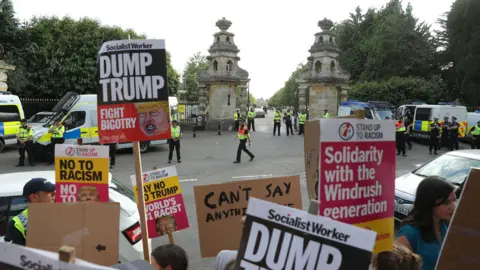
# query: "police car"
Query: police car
11,113
130,238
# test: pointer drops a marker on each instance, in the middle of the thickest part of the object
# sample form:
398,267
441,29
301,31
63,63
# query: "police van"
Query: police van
424,115
373,109
78,113
11,114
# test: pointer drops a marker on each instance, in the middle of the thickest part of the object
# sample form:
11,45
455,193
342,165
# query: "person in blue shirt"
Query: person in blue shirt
425,227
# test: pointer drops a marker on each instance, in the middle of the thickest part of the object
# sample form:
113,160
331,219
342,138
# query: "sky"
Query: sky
273,36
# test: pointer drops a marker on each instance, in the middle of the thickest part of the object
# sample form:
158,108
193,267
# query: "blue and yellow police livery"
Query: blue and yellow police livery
11,113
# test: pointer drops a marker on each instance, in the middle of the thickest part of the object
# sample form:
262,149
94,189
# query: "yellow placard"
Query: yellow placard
385,233
181,108
160,189
81,170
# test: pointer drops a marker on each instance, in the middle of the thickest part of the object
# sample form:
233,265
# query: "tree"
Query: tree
8,30
397,89
288,94
461,58
389,42
189,77
59,55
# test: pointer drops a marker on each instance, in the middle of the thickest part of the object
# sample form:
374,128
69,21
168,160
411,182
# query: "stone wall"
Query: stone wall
323,96
4,68
221,111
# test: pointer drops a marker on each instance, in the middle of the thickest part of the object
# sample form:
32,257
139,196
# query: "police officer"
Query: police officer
400,137
434,134
174,142
302,117
287,119
408,126
236,117
445,137
56,130
277,118
453,128
243,136
475,132
25,143
112,153
326,114
37,190
251,119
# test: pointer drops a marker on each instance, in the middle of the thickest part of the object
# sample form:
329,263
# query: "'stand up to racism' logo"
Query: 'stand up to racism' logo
70,151
346,131
146,177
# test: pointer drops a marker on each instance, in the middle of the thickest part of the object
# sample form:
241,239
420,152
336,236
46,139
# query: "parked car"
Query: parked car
260,113
130,237
453,166
41,117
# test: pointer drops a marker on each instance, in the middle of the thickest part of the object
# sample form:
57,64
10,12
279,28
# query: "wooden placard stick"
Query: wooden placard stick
66,254
170,238
137,159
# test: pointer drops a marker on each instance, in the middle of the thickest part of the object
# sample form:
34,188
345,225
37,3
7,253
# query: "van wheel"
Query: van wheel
2,145
144,147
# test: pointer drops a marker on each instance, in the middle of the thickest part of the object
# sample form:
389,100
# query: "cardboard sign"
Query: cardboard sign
311,155
164,203
13,257
462,242
279,237
132,91
357,175
92,228
220,208
81,173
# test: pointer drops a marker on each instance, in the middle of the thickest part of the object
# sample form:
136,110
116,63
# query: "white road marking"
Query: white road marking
189,180
252,176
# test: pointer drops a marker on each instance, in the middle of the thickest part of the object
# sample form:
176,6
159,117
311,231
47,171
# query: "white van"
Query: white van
78,113
11,115
13,203
424,115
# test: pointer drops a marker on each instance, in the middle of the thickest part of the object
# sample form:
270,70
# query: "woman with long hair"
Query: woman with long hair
425,227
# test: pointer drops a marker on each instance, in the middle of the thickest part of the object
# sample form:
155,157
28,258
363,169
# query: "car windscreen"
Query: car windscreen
383,113
453,168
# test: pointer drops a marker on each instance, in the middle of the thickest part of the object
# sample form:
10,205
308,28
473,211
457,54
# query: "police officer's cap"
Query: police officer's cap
453,117
175,121
478,122
36,185
435,118
24,120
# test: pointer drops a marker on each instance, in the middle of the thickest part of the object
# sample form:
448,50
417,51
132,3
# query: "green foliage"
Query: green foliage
288,94
389,42
57,55
189,78
8,29
397,89
461,58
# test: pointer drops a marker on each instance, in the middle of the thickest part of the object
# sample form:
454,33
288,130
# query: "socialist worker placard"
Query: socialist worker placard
132,92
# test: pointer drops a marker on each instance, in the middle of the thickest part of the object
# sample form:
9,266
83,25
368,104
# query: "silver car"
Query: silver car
260,113
453,166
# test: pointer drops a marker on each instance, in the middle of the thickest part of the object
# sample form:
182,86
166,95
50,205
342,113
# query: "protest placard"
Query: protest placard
357,175
461,245
311,150
164,203
81,173
220,208
279,237
132,91
13,257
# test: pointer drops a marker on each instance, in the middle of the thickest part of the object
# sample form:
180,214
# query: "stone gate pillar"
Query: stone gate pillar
243,101
3,75
302,97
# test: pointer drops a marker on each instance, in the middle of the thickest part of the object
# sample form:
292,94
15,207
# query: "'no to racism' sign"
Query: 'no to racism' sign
132,93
